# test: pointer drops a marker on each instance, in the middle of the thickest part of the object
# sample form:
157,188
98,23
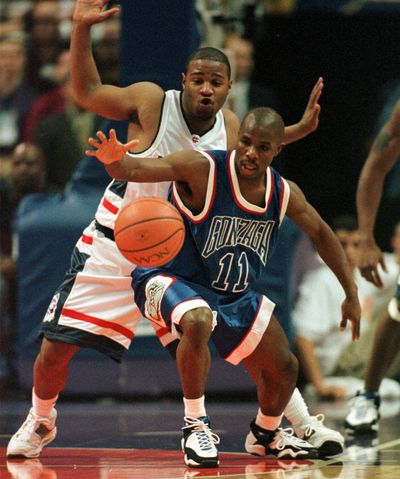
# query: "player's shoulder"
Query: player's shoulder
218,156
146,90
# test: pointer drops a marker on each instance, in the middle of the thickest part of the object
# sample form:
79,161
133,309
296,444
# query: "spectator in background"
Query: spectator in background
11,16
16,96
315,316
245,93
63,135
55,100
42,23
27,175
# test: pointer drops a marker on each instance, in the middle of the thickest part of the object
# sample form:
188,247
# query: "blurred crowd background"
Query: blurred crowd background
278,49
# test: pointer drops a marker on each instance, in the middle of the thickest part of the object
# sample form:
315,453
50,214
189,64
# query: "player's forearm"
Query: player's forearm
368,197
125,168
295,132
380,161
84,74
332,253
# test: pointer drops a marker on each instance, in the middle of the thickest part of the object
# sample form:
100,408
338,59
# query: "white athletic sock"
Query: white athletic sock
195,407
296,410
42,407
268,422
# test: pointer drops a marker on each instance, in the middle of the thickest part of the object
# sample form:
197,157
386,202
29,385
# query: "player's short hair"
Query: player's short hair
266,117
212,54
346,222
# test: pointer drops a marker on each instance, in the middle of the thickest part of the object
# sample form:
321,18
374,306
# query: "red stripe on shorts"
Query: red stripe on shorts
99,322
87,239
109,206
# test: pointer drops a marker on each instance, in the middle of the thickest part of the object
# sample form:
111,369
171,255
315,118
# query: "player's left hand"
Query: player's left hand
90,12
351,311
109,150
310,119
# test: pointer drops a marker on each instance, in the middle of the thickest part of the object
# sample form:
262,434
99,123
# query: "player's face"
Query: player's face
27,169
257,147
350,240
206,87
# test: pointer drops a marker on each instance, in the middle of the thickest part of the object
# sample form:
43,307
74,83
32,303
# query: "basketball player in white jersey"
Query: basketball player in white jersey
94,305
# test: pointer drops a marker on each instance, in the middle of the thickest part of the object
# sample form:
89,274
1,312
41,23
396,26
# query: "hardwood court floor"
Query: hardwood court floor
108,439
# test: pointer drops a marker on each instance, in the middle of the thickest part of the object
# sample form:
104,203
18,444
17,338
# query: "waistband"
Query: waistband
107,232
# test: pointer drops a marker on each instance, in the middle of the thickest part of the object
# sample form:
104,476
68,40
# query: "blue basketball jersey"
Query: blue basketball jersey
228,243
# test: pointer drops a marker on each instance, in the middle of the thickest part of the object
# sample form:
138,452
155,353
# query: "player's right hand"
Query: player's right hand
109,150
90,12
351,312
371,258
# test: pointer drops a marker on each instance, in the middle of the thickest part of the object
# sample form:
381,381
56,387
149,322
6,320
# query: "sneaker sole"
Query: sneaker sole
330,449
362,428
211,463
48,440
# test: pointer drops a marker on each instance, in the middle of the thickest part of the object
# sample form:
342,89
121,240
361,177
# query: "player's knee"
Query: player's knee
197,323
55,353
288,368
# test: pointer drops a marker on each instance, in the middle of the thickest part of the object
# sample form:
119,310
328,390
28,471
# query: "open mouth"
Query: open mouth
248,166
206,101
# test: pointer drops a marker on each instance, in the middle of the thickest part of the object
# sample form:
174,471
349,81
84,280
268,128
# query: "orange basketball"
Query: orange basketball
149,232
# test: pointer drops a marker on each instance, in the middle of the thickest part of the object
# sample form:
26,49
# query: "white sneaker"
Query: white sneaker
33,435
30,469
363,415
198,443
282,445
328,441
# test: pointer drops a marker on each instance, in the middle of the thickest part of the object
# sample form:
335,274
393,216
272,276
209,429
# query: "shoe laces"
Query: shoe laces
31,425
206,438
314,423
284,437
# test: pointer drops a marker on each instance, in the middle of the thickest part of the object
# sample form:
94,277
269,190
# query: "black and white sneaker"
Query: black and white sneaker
198,443
281,444
329,442
363,415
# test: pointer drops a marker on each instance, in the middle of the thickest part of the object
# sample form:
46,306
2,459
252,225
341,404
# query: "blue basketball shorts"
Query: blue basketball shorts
240,320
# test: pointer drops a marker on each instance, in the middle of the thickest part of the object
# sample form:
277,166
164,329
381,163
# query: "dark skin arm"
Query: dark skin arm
331,252
189,169
381,159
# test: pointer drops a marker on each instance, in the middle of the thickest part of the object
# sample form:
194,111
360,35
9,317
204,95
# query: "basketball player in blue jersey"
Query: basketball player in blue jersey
233,203
94,306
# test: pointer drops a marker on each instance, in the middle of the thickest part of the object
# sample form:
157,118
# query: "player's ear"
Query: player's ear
280,148
183,79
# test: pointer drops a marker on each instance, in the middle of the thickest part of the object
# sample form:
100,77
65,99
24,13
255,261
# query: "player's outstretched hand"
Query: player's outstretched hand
371,258
310,118
92,11
351,311
109,150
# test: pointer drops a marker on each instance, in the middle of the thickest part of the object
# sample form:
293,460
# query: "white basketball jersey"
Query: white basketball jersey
173,135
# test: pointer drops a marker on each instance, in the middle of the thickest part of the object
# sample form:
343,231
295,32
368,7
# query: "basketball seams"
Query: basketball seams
154,245
160,218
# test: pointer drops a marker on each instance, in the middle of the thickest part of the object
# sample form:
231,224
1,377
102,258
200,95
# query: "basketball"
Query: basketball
149,231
